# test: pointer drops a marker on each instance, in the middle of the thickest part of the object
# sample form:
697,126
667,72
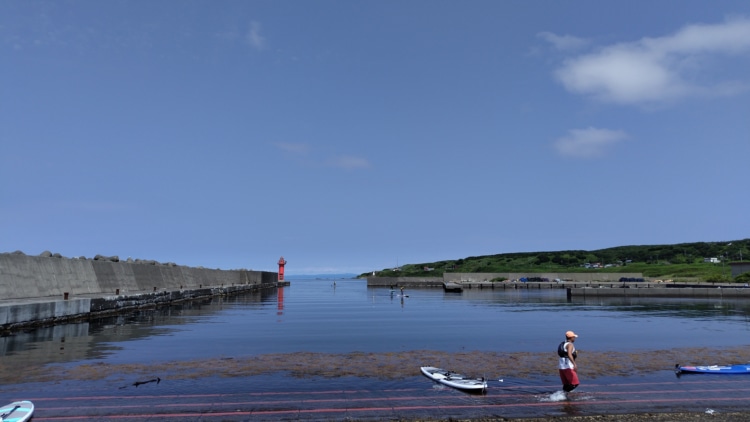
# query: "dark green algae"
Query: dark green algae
390,365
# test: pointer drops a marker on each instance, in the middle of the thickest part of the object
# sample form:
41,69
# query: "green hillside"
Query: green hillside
684,260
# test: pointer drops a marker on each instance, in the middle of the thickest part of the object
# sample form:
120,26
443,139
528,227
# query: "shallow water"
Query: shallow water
337,320
413,398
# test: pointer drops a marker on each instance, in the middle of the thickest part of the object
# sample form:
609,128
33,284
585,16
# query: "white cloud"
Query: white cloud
349,162
303,151
254,38
659,70
588,143
731,37
294,148
563,42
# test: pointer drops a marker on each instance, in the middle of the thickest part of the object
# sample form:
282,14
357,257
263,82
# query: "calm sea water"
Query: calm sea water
344,316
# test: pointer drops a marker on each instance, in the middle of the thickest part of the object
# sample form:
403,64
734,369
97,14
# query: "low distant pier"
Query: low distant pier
726,291
580,288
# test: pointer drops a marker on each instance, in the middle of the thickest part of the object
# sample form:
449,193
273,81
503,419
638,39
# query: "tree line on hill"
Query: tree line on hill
609,259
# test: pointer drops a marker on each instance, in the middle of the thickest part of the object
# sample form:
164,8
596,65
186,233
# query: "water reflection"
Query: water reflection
225,355
346,316
101,337
676,307
48,344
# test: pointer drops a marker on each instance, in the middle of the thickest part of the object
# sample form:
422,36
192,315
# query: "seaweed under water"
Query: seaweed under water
395,365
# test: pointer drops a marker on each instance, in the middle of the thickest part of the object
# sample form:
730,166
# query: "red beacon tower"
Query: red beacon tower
282,262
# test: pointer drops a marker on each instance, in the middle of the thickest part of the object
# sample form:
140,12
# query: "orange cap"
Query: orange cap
570,334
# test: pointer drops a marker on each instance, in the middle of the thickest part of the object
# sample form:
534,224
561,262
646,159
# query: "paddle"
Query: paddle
137,383
156,380
11,411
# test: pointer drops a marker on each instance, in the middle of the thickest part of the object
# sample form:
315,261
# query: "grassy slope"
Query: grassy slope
677,261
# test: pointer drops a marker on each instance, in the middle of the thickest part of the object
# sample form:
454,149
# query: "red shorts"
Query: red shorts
569,378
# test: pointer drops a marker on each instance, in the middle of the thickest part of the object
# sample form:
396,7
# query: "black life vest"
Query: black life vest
564,353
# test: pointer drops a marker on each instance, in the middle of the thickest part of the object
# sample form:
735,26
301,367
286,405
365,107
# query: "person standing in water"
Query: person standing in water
567,364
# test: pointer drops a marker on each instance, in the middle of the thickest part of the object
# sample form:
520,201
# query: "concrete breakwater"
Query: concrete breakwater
404,282
41,290
677,291
468,279
581,289
420,282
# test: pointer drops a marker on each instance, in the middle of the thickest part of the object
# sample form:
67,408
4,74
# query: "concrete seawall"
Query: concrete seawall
405,282
474,278
40,290
424,282
586,277
724,292
23,276
581,289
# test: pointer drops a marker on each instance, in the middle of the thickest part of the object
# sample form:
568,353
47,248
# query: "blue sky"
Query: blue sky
350,136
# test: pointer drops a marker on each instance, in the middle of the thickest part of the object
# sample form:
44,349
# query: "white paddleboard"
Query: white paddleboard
454,380
18,411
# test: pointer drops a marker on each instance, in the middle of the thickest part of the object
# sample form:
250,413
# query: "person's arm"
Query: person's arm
569,348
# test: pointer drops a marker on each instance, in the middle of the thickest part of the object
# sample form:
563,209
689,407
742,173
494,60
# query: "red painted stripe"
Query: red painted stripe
350,399
702,382
205,415
353,401
481,404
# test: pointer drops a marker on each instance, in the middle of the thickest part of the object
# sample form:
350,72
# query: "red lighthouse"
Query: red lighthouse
282,262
